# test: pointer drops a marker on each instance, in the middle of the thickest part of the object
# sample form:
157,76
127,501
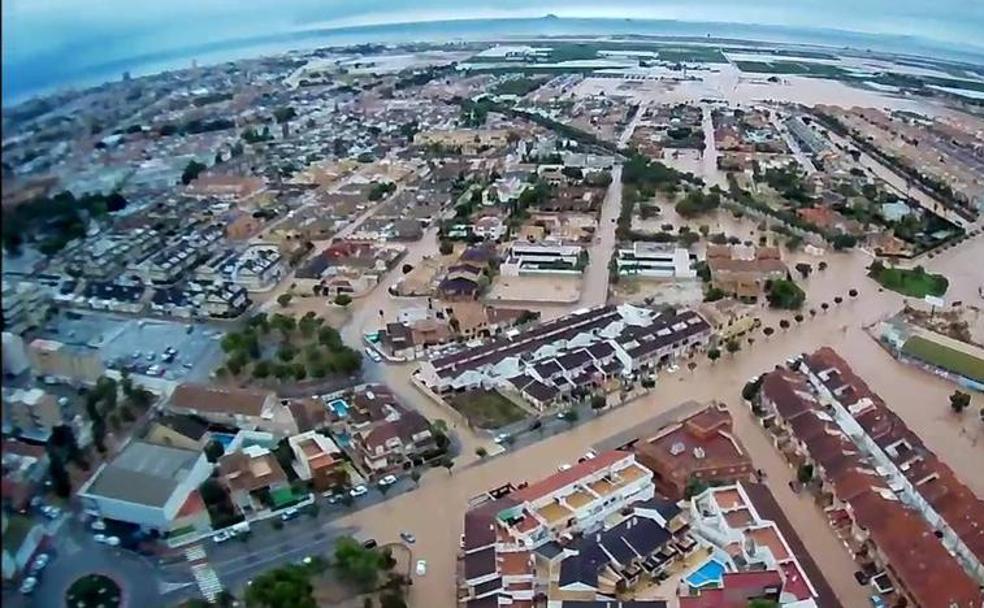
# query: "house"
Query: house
384,434
896,504
699,448
317,459
730,318
145,485
247,409
233,188
514,541
252,475
744,271
32,412
830,219
489,227
727,521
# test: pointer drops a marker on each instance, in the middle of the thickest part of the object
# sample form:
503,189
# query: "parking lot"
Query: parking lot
164,349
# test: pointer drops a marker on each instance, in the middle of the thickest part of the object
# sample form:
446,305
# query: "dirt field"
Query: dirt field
547,289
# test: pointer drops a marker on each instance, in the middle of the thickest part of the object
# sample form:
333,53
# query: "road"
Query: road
712,177
594,286
794,146
623,139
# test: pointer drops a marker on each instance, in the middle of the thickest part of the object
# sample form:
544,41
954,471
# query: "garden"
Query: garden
915,283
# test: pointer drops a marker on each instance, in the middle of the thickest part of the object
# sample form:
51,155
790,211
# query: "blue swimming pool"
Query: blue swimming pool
339,407
224,438
710,573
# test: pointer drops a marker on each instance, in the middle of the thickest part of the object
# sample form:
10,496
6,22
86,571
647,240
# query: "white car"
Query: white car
113,541
40,562
100,538
27,587
358,491
590,454
564,467
221,536
500,438
673,369
372,354
421,567
98,525
387,480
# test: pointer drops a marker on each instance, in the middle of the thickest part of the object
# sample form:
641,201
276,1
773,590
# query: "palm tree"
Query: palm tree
813,312
713,354
825,306
838,300
853,293
798,318
415,476
692,365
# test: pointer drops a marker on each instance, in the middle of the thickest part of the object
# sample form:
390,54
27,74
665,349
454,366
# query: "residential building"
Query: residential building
25,305
246,409
729,317
699,449
317,459
743,271
145,484
67,362
253,475
513,545
726,520
32,412
232,188
384,435
587,347
655,260
899,508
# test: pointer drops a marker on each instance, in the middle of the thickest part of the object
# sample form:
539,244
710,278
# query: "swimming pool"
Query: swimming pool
710,573
339,407
224,438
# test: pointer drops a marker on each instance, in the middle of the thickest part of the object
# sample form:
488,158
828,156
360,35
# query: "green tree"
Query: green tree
191,171
481,452
284,299
732,346
570,416
213,451
356,564
286,586
768,331
785,294
598,402
784,324
446,247
959,401
694,487
805,473
343,299
713,354
262,370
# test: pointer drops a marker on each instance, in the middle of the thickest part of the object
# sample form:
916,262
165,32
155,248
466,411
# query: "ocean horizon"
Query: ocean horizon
47,73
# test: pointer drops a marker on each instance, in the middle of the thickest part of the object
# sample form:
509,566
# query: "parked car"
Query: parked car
370,543
113,541
564,467
501,438
408,537
387,480
98,525
333,498
421,567
27,587
39,563
100,538
372,354
590,454
358,491
289,514
221,536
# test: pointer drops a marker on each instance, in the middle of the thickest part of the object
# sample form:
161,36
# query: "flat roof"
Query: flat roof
143,473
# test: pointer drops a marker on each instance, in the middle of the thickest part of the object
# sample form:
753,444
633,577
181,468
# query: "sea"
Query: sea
93,62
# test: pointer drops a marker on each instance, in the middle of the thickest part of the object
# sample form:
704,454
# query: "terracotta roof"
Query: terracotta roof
203,398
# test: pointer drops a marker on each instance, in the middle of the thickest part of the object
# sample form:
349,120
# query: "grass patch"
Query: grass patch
691,54
487,409
791,67
915,283
945,357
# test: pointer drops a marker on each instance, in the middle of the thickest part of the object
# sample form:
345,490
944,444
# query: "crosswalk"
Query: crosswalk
206,578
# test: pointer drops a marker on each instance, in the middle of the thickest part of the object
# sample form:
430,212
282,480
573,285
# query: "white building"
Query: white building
544,258
656,260
146,484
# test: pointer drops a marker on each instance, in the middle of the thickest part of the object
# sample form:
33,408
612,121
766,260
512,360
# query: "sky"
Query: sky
58,36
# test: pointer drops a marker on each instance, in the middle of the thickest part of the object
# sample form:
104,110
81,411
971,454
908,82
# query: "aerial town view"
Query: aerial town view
492,311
